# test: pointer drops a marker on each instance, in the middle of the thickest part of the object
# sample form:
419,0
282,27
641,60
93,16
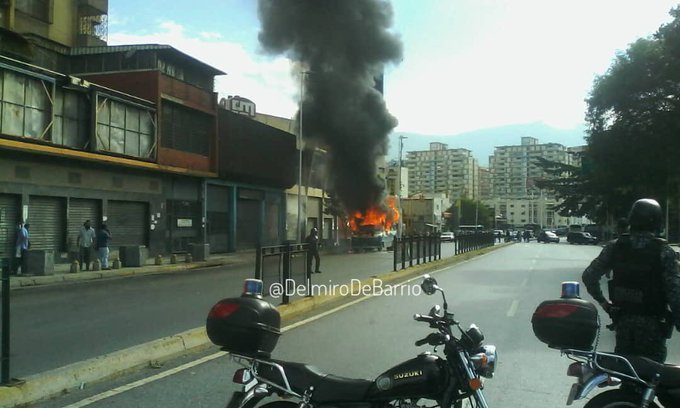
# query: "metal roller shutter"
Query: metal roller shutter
128,222
248,223
79,211
218,218
47,216
9,223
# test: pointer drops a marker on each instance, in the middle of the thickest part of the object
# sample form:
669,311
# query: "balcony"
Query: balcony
93,25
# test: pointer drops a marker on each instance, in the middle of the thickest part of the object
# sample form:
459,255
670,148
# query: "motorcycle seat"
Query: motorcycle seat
327,387
645,368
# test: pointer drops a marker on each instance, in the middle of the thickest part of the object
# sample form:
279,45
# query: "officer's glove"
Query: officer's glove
608,307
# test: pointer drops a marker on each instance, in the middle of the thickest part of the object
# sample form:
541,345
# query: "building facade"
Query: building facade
514,171
538,210
130,136
484,183
424,213
441,170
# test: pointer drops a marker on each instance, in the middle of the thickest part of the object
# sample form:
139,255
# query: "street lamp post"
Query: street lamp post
299,143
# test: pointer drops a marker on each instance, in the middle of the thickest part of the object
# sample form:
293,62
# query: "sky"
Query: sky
468,64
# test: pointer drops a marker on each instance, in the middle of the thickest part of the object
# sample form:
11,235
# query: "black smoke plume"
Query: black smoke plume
344,46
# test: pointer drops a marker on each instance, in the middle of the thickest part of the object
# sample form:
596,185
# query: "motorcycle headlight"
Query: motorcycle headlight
485,361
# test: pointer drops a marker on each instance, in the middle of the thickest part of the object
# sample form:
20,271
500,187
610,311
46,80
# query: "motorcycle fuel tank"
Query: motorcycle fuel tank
425,376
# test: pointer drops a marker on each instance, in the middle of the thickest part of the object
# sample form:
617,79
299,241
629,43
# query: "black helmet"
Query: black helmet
645,215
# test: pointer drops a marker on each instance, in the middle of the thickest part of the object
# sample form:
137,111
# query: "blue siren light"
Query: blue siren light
570,290
253,287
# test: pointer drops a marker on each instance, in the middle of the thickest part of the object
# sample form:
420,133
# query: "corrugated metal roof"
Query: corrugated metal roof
110,49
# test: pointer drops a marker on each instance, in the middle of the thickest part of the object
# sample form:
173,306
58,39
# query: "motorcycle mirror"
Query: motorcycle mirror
435,311
429,285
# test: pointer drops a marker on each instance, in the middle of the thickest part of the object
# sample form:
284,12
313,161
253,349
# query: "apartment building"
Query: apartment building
514,171
530,210
484,183
514,194
441,170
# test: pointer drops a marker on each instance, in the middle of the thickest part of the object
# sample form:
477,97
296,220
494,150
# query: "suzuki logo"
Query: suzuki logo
408,374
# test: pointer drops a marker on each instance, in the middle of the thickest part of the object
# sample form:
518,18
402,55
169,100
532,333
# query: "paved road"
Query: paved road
498,291
57,325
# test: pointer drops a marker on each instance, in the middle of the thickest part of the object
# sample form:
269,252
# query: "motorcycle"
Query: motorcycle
447,380
572,325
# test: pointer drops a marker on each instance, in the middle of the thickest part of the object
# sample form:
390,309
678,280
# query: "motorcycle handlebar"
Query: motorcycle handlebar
423,318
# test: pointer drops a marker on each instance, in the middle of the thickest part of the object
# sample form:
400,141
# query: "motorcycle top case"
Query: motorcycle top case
247,326
566,323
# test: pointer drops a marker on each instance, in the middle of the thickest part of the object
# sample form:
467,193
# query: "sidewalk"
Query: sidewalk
62,272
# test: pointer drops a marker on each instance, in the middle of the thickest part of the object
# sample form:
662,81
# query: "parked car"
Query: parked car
578,237
548,237
447,236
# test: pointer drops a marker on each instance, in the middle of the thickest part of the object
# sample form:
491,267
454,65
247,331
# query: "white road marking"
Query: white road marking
136,384
513,308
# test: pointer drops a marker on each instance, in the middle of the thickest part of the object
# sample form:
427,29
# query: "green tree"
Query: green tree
469,212
633,138
634,120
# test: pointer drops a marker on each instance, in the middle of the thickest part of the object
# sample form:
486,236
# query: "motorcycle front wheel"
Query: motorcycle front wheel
617,399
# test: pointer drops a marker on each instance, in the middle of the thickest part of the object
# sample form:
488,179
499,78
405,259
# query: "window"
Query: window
26,107
124,129
185,129
71,119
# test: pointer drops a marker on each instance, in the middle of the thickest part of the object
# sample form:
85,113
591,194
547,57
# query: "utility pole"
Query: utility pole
401,164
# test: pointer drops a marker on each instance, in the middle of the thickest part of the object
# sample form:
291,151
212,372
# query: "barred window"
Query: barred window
185,129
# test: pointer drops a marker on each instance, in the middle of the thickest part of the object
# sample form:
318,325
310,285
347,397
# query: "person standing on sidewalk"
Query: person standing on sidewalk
312,241
23,243
103,238
85,239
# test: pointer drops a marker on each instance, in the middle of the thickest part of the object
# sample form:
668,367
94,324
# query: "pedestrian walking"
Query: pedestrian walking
312,241
86,238
23,243
103,238
644,292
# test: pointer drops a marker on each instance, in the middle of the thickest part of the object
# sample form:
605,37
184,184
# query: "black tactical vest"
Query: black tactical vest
637,284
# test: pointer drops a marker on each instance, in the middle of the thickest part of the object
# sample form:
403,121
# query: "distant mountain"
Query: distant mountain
482,142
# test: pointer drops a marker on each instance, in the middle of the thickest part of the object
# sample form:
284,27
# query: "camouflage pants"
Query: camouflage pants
641,335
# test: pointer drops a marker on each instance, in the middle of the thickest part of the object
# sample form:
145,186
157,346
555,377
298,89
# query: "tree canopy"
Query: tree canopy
633,137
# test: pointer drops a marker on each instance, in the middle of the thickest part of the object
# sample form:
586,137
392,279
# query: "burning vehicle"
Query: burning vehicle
376,227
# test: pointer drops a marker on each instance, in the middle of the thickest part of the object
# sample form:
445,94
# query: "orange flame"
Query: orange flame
385,216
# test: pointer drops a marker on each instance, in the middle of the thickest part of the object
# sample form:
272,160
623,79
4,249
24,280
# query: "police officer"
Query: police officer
312,241
645,283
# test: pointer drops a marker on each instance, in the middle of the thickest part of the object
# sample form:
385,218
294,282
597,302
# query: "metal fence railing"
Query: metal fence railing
414,250
284,265
472,242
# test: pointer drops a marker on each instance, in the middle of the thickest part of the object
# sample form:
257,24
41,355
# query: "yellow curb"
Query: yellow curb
54,382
